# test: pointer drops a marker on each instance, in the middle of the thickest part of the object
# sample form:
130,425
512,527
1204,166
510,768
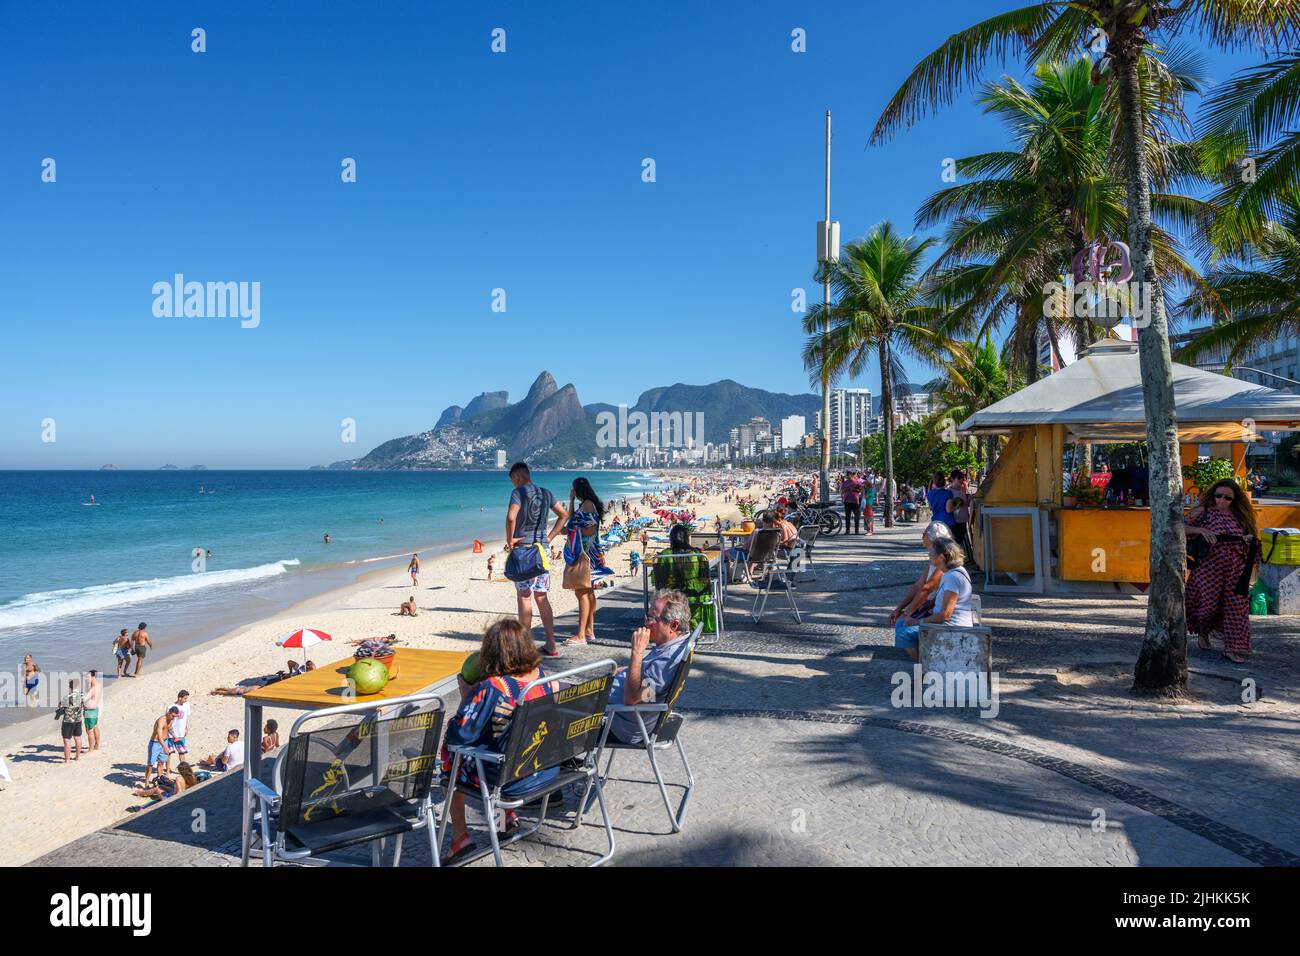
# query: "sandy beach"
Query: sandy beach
50,803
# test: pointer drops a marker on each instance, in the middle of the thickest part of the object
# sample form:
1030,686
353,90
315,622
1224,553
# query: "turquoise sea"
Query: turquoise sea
72,574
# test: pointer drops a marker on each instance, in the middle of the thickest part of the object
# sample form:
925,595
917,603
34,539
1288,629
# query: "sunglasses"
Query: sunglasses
1223,497
657,619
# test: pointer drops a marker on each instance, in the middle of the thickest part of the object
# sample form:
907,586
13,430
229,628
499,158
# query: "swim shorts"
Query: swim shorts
92,718
157,753
71,730
540,584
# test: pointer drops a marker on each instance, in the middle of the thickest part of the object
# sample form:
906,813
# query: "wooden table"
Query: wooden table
417,669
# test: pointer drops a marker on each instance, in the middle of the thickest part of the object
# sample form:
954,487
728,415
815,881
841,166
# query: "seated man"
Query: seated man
232,756
652,669
408,608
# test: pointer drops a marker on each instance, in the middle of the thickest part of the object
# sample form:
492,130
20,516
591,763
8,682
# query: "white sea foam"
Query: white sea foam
50,605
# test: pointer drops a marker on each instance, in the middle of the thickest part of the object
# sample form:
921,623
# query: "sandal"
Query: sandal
1203,642
573,642
545,653
459,848
1233,658
512,824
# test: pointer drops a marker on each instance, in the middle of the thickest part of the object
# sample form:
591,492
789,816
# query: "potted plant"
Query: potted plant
747,514
1074,489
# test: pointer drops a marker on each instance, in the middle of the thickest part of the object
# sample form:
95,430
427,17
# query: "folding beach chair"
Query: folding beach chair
665,733
808,535
689,573
353,782
560,730
777,570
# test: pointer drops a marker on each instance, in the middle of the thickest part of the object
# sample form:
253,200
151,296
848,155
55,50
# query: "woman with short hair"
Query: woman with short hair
952,597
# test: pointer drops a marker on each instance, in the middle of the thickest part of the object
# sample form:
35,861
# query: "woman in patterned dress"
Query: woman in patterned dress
1215,600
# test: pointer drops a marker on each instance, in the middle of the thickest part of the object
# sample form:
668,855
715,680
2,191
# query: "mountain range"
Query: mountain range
550,427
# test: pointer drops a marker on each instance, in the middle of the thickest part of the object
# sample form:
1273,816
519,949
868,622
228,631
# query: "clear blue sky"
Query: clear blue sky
476,171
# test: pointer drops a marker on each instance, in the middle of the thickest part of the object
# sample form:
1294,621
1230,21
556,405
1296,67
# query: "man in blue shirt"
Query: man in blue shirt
526,516
658,650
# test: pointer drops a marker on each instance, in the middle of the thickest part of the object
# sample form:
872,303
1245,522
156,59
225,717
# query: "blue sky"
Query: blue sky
475,171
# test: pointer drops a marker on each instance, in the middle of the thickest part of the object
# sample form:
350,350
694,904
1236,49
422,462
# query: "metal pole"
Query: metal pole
826,297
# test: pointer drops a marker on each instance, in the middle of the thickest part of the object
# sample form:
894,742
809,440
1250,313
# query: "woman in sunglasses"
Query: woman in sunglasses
1218,586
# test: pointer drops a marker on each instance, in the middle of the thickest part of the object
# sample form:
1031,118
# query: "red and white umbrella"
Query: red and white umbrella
304,637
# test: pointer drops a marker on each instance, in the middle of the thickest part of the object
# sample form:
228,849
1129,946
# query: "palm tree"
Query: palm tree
1253,125
1257,300
1019,216
973,378
1047,31
879,312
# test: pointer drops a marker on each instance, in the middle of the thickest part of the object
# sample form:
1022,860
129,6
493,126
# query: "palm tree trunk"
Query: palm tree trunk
887,410
1162,665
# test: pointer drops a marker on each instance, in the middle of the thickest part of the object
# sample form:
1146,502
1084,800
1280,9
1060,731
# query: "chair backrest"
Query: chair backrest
382,755
546,731
688,573
808,533
766,542
674,688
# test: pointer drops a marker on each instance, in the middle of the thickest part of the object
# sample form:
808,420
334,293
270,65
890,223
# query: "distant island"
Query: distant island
169,468
108,467
335,466
198,468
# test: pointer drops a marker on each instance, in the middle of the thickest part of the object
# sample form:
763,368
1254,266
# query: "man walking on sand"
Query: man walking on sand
122,652
93,689
162,731
140,643
526,524
71,710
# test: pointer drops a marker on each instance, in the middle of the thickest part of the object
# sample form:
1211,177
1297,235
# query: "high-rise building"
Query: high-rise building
792,431
850,413
501,457
748,439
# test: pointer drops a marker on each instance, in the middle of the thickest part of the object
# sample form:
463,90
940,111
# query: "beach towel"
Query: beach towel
577,544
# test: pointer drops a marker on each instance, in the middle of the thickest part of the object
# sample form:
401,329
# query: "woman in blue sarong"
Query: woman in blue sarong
584,557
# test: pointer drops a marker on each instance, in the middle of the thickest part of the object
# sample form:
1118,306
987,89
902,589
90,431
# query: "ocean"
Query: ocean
73,574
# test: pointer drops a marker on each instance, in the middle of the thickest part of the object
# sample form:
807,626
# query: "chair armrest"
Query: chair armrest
627,708
260,790
481,752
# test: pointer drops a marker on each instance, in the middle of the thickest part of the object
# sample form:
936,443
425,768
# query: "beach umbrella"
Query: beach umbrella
303,638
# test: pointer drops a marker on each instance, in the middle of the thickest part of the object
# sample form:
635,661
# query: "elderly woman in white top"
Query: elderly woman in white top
952,597
922,590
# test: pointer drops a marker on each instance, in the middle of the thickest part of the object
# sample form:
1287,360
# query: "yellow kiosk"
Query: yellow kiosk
1029,540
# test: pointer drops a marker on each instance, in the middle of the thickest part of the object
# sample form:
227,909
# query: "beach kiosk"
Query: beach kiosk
1027,537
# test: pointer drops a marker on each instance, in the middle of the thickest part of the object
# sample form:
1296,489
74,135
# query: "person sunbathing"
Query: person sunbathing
251,683
408,608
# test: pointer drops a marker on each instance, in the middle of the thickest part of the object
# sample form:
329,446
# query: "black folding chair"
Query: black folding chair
665,733
352,782
560,730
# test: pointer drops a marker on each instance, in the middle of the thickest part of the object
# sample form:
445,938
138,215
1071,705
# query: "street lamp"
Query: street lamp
828,251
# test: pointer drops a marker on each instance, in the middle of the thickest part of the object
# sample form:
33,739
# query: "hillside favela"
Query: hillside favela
752,436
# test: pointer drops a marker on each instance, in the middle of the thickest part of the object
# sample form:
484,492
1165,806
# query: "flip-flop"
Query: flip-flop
545,653
1233,660
573,642
465,849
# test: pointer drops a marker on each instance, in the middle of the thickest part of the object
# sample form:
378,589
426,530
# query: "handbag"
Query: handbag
577,576
527,561
1197,547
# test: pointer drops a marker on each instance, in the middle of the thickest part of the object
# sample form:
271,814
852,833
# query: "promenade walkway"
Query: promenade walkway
800,757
